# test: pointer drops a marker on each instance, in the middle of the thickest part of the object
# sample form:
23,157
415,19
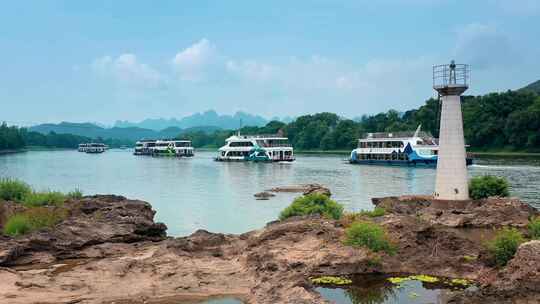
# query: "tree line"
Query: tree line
15,138
496,121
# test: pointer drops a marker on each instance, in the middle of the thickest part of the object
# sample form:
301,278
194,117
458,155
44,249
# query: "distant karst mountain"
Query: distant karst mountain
129,133
208,118
533,87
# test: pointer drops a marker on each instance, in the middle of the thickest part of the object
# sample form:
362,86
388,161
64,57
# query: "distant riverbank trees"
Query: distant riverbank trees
496,121
508,121
13,138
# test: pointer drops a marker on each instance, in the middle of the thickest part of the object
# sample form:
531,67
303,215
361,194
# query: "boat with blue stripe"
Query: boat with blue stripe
417,149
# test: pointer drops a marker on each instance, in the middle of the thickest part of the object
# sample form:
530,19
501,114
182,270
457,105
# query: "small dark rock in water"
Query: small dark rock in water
264,195
304,189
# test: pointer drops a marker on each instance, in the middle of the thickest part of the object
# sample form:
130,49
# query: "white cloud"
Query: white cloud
252,70
126,70
191,62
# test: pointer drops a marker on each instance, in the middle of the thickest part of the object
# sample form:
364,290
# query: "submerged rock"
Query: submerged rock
304,189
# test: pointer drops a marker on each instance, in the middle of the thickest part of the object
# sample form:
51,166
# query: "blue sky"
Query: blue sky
101,61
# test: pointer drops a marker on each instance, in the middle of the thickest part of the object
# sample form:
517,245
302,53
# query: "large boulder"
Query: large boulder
92,220
491,212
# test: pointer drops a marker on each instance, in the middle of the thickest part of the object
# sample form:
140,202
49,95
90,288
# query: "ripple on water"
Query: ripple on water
198,193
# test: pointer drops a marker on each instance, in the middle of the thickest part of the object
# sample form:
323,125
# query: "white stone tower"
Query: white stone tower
451,80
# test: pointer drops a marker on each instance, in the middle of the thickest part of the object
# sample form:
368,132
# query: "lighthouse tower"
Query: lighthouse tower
451,80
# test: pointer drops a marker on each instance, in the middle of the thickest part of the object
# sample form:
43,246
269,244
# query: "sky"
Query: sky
101,61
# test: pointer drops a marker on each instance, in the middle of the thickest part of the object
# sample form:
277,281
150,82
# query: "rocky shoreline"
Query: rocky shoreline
110,250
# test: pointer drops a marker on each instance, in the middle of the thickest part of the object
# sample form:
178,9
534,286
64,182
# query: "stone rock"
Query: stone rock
304,189
491,212
92,220
265,195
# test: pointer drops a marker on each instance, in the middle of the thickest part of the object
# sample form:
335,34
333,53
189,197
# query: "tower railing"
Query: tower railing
451,75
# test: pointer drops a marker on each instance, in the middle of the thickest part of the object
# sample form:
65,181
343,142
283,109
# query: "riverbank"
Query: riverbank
110,249
3,152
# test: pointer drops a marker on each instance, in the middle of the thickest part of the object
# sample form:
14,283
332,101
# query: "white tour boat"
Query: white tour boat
145,147
95,148
398,148
179,148
264,148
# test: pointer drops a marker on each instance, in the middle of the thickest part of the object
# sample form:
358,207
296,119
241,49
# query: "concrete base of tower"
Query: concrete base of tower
451,180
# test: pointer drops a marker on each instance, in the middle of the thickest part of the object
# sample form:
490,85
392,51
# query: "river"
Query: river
199,193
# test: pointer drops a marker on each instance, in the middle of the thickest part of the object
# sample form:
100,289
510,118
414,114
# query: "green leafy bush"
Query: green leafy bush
505,244
369,235
488,185
313,204
13,190
34,219
534,228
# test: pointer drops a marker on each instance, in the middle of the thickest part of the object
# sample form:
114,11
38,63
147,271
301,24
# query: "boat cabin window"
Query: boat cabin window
381,144
182,144
241,144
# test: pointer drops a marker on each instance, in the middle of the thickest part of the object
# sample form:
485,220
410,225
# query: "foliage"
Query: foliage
20,192
16,225
330,280
534,228
313,204
75,194
13,190
488,185
44,198
504,245
33,219
369,235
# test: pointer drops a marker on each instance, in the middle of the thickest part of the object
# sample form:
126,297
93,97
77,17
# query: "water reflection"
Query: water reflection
375,289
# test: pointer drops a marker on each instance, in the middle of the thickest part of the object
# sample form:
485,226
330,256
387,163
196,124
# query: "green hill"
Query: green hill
533,87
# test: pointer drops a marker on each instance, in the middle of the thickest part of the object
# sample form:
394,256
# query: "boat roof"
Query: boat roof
396,135
258,136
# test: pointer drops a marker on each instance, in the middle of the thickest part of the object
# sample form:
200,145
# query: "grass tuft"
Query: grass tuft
13,190
534,228
34,219
369,235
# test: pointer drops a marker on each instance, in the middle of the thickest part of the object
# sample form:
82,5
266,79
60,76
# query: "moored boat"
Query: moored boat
94,148
398,148
144,147
178,148
163,147
258,148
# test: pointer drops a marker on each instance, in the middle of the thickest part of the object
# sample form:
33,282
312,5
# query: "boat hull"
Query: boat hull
407,163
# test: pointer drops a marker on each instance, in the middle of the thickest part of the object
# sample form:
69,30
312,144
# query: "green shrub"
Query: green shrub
534,228
17,224
47,198
313,204
369,235
378,211
13,190
488,185
504,245
34,219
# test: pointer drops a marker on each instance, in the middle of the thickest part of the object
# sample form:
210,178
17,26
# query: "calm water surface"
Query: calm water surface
194,193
